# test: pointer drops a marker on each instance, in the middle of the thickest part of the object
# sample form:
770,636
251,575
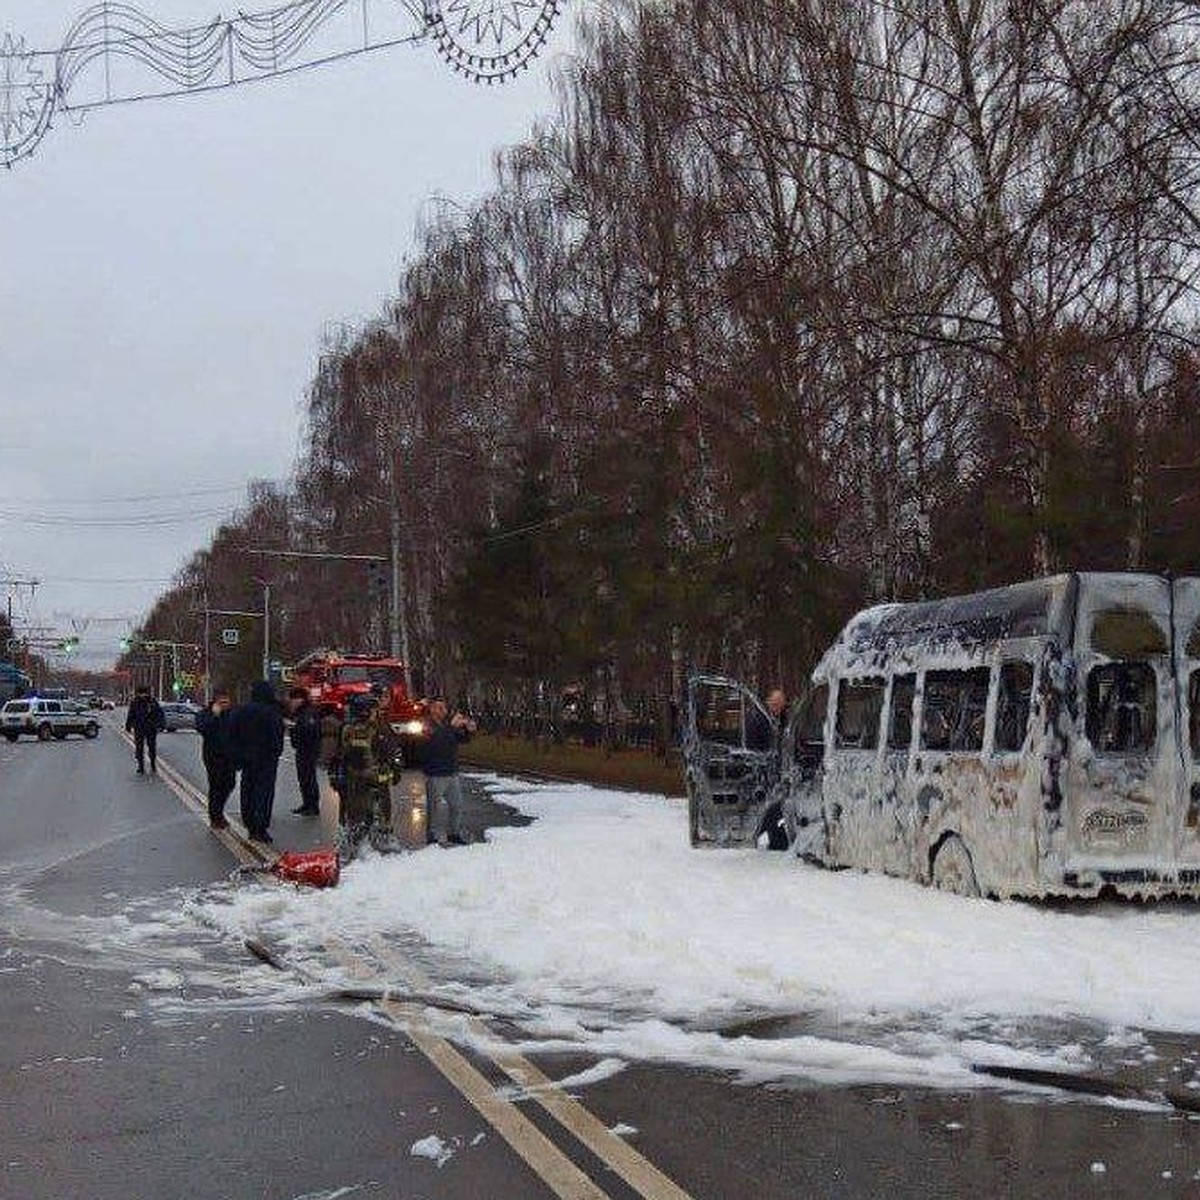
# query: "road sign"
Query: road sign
230,636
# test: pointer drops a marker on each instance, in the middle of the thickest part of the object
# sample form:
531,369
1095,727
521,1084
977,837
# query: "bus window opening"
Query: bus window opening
719,715
859,709
955,710
1012,706
1122,710
900,719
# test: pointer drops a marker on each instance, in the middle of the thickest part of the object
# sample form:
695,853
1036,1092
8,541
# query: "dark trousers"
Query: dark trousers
143,742
221,778
258,794
306,773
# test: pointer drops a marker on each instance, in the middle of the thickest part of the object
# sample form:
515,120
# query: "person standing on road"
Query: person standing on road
212,723
763,731
363,773
443,788
256,742
305,736
145,720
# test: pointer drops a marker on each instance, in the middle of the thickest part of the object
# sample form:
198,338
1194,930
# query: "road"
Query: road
104,1093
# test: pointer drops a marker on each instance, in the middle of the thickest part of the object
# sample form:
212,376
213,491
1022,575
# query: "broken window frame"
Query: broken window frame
871,689
1026,693
1148,725
965,722
905,683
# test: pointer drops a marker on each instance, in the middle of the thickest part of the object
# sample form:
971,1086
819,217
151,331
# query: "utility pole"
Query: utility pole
207,653
397,622
11,583
266,674
397,625
209,613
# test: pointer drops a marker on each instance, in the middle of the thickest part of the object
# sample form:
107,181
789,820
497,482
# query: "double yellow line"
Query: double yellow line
550,1163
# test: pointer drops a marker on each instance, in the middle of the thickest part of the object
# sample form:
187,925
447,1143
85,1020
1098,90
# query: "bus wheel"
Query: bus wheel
953,870
775,829
693,814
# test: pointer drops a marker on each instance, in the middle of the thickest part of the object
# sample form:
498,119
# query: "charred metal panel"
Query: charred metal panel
730,784
1123,769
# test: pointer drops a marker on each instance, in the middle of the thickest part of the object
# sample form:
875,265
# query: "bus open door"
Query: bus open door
731,752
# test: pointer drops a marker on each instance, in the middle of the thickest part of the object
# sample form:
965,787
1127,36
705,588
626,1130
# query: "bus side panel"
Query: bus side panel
1187,658
865,818
864,814
1122,791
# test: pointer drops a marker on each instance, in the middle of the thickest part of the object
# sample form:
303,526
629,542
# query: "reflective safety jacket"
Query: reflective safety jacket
365,753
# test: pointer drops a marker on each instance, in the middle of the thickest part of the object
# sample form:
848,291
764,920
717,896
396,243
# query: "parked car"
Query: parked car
179,714
45,719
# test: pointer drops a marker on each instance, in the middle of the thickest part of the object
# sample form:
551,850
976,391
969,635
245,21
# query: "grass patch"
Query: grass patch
635,770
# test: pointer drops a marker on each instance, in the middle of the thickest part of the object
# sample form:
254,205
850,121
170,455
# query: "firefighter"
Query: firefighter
363,771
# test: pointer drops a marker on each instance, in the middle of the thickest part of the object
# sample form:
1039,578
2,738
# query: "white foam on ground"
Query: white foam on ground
598,928
433,1148
628,943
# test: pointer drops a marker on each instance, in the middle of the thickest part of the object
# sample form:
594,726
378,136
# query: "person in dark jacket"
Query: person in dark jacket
305,736
763,730
145,720
212,723
256,742
443,788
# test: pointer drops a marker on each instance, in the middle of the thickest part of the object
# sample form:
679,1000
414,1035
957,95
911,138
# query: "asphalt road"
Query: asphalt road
103,1094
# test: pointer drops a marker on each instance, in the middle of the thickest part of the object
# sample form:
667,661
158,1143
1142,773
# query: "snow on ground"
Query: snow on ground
603,930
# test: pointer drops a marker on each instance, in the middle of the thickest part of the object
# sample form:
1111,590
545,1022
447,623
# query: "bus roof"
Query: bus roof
956,624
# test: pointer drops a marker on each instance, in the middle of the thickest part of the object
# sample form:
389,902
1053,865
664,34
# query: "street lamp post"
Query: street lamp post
266,612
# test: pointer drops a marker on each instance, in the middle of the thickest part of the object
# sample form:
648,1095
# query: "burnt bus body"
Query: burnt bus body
1033,740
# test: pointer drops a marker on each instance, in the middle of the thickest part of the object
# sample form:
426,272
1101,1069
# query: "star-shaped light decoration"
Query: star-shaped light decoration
489,21
23,99
490,40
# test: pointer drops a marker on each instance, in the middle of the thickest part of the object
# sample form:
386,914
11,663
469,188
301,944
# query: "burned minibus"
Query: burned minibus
1034,740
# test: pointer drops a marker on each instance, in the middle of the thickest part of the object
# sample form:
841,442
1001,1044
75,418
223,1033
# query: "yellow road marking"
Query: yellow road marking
637,1171
543,1157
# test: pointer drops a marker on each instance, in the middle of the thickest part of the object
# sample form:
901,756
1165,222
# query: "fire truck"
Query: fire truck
331,677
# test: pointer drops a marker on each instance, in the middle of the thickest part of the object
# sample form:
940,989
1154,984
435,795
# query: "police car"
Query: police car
44,719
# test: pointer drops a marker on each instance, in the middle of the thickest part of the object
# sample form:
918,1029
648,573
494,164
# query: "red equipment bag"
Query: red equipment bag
313,868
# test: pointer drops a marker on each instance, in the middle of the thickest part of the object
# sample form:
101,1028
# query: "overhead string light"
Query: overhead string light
116,54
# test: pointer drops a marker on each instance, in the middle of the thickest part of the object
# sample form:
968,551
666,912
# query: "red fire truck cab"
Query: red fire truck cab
331,678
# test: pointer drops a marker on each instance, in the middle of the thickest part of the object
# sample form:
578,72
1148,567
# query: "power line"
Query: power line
144,521
102,580
149,497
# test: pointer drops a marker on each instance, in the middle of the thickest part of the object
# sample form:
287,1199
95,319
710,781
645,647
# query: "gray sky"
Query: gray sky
166,273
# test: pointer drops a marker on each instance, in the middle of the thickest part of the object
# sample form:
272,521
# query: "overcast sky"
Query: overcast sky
167,271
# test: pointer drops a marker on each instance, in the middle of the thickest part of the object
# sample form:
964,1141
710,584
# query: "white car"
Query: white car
45,719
